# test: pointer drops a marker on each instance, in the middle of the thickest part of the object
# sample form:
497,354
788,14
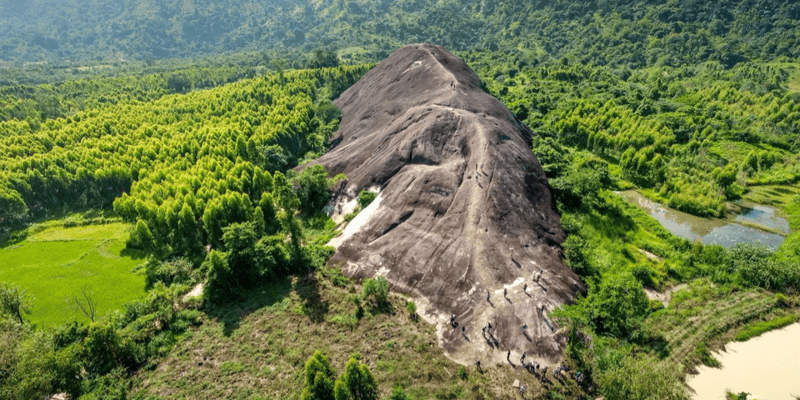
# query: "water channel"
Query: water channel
767,367
723,232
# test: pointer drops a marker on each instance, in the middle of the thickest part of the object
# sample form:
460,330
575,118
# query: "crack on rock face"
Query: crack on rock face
465,221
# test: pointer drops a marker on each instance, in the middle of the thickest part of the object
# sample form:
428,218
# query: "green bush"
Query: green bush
411,307
179,270
376,290
398,394
756,266
365,198
574,253
14,301
313,189
111,386
643,274
617,306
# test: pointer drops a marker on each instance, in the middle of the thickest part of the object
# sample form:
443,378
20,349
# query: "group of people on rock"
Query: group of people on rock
532,366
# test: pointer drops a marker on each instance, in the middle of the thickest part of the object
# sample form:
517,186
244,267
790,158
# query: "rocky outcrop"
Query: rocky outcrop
463,206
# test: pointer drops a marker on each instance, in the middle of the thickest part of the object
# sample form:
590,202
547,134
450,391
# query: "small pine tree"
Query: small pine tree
341,391
319,378
359,383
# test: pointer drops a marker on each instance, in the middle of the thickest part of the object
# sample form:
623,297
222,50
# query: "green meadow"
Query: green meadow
56,263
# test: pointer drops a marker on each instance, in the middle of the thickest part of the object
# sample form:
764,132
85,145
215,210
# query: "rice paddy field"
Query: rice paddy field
57,262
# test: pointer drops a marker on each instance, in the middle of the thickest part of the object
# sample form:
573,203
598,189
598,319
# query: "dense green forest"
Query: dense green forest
184,120
630,33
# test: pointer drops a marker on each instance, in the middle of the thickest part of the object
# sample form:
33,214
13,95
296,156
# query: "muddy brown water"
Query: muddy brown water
767,367
714,230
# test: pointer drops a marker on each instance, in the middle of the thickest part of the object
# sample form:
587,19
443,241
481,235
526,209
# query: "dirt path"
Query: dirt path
664,297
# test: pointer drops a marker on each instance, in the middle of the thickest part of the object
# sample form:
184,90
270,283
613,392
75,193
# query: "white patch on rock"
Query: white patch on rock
357,223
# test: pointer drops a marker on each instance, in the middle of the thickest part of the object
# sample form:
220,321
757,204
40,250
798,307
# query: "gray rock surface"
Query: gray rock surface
463,207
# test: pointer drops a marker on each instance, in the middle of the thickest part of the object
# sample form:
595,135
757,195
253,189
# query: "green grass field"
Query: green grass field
55,263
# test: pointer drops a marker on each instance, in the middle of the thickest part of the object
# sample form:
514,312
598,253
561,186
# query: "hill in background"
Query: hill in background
625,33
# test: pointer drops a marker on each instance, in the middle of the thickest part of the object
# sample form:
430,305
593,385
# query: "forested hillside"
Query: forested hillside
621,33
92,157
695,136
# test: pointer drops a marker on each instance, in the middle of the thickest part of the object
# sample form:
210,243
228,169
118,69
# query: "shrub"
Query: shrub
313,188
365,198
756,266
14,301
376,289
398,394
618,305
178,270
573,252
642,274
411,307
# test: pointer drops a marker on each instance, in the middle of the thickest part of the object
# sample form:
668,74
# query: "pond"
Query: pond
767,367
761,215
714,230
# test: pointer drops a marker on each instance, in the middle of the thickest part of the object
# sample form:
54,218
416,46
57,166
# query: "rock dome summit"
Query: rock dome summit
463,212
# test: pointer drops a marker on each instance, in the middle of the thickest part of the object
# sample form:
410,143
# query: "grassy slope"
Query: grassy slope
57,262
257,349
706,313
